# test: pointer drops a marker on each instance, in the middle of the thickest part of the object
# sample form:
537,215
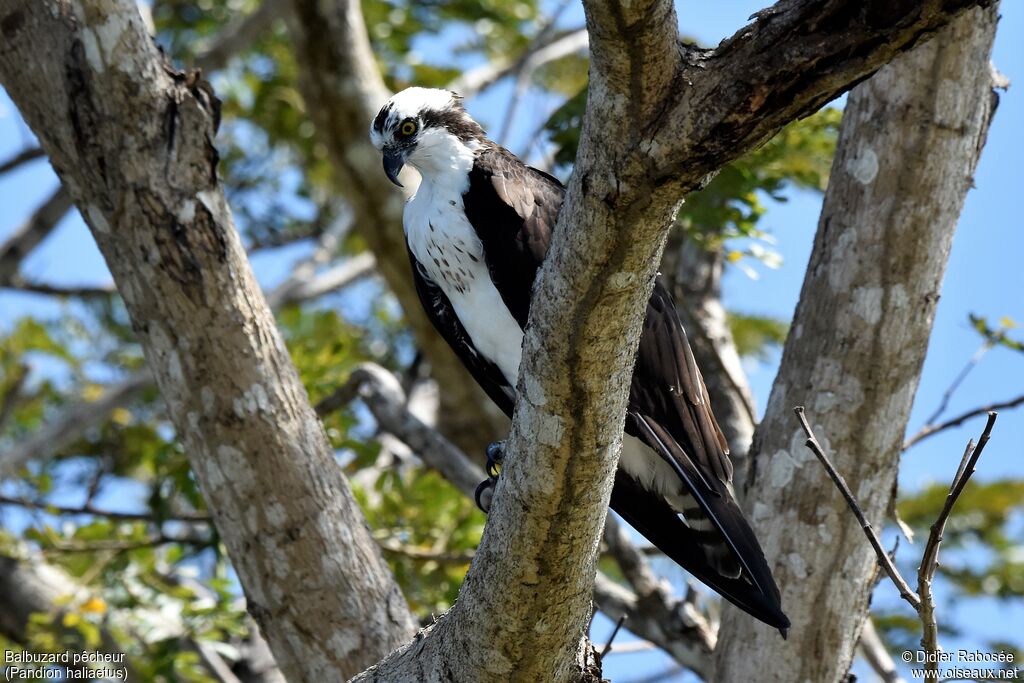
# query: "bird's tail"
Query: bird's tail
753,590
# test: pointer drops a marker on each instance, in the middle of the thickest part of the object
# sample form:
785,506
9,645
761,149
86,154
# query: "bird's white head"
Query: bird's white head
427,128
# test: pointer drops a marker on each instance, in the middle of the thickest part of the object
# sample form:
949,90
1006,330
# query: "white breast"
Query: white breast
444,242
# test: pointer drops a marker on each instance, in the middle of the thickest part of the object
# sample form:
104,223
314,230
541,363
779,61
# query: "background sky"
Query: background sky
984,278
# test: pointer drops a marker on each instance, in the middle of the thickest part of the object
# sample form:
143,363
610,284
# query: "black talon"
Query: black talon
484,488
495,454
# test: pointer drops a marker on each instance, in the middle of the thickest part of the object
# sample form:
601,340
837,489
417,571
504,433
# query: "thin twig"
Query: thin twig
424,555
124,545
18,282
931,430
985,347
11,397
196,517
611,639
22,157
883,558
930,560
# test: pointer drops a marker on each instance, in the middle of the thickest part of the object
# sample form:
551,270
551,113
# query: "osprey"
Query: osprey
477,231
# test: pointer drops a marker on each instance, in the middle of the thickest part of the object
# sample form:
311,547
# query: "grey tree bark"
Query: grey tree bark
131,139
147,186
660,117
909,143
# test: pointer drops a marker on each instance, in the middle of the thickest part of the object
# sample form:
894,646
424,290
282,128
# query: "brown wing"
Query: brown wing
513,209
669,392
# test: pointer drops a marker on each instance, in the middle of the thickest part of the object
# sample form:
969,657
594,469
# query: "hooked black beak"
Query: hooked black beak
394,160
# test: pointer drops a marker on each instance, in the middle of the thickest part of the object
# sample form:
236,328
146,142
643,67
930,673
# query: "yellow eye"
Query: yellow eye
408,128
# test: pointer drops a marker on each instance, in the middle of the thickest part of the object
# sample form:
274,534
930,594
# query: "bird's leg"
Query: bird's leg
485,491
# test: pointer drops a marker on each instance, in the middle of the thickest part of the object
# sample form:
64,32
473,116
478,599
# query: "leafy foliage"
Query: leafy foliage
157,583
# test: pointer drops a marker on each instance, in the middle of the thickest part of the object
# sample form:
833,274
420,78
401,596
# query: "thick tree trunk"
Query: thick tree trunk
132,141
649,136
909,143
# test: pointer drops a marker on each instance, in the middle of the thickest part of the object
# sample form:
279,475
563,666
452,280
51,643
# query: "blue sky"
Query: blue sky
984,277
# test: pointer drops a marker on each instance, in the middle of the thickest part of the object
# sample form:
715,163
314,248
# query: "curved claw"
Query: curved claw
483,495
495,454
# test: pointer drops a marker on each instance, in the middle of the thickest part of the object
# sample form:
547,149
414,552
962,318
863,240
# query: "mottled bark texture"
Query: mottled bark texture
343,90
660,117
909,143
132,140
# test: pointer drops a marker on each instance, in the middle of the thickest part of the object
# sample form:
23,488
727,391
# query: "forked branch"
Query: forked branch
923,601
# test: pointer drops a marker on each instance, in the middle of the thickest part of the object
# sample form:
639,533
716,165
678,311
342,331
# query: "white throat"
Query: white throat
440,157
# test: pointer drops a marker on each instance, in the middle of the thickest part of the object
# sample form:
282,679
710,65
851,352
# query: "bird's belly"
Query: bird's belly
448,249
495,333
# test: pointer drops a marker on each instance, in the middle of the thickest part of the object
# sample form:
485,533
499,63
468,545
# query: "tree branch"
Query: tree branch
22,157
906,592
90,509
36,229
239,35
933,429
548,47
72,423
930,560
20,284
901,171
383,395
878,658
316,582
34,587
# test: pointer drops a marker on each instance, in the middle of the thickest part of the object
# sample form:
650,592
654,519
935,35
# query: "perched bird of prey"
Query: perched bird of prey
477,231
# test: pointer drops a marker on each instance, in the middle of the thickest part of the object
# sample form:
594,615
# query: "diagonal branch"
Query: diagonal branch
22,157
933,429
72,424
36,229
239,35
906,592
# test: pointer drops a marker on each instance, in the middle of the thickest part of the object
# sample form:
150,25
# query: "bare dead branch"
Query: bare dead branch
930,560
383,395
877,657
36,229
883,557
631,561
22,157
931,430
676,627
72,424
89,509
239,35
923,601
